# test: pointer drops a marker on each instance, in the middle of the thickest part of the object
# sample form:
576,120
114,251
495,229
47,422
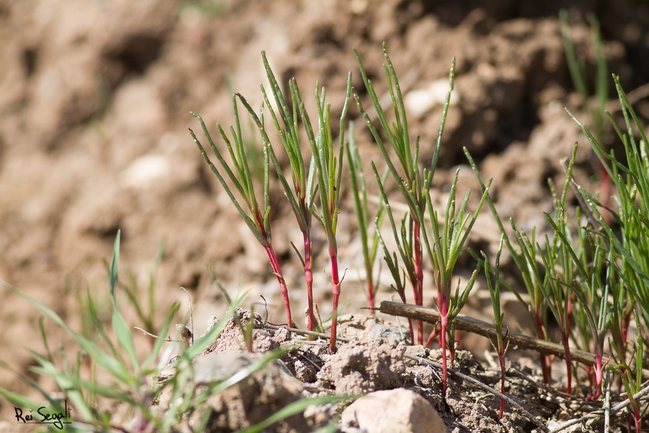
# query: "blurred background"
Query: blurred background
95,98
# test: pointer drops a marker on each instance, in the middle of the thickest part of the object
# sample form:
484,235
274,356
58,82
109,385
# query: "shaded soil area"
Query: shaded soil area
95,100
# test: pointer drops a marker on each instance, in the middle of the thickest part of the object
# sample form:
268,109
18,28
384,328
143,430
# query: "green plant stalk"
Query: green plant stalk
536,307
256,218
412,183
392,260
558,297
531,274
631,248
494,294
359,194
591,311
559,260
596,113
126,384
301,194
132,291
443,246
329,169
632,383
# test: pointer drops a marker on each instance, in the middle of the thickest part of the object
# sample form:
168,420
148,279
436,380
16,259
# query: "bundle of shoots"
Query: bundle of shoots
412,183
329,168
301,191
238,173
359,193
494,293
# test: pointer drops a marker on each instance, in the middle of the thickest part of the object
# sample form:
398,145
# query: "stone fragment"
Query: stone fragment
394,411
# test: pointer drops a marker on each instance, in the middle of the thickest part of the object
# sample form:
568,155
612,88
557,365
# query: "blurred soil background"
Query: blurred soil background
95,99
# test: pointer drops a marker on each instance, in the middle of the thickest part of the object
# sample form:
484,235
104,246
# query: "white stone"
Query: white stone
418,102
147,170
394,411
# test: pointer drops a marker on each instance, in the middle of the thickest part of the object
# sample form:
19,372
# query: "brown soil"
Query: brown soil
95,100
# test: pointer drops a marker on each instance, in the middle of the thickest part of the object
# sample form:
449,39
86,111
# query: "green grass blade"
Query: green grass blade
116,368
294,409
206,340
121,328
164,331
442,125
246,372
65,382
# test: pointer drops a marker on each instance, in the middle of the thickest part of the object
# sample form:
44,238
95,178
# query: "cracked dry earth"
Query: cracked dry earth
401,383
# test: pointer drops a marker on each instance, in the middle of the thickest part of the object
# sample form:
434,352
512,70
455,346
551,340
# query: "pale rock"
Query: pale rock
420,101
394,411
147,170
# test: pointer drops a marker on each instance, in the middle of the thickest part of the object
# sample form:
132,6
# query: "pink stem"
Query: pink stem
308,276
598,373
568,358
277,270
431,336
370,295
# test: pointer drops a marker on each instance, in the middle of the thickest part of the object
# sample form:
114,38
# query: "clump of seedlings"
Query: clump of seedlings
591,272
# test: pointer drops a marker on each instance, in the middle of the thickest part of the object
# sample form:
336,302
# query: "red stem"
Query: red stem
545,362
418,288
277,270
370,295
308,276
335,283
565,337
598,373
605,193
432,336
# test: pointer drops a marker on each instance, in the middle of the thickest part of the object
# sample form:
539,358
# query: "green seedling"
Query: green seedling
494,294
403,239
359,193
558,279
578,263
444,244
596,112
127,375
412,182
408,177
528,269
301,191
256,217
628,252
146,317
631,377
329,168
